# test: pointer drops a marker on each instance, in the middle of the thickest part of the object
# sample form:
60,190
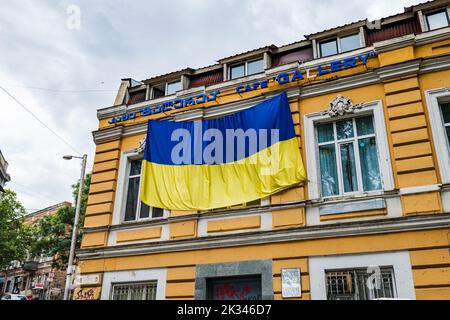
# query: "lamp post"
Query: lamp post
70,265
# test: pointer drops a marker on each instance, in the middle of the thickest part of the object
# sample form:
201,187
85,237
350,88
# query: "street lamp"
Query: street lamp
70,265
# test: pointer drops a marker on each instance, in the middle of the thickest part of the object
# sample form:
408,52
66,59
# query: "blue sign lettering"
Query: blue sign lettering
282,78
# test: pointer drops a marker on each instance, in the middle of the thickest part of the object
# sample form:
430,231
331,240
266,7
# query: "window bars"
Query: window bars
360,284
134,291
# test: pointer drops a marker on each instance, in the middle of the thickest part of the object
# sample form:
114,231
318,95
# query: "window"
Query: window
173,87
350,43
166,89
359,284
445,110
246,69
255,66
159,91
237,71
134,208
438,105
339,44
437,20
328,48
134,291
348,157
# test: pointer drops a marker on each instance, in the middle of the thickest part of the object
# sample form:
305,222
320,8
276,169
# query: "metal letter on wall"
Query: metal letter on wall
291,283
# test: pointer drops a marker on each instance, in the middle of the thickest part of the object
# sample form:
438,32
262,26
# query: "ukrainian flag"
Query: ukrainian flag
203,165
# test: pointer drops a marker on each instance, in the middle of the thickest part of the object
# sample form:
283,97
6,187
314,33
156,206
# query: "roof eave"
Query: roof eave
337,30
248,54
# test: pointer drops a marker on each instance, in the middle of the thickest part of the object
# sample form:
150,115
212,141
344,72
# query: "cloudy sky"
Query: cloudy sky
63,73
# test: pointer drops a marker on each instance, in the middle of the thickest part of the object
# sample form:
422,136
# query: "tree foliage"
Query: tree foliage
15,236
53,233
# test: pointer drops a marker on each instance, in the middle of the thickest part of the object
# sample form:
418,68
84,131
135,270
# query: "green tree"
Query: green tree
53,234
15,236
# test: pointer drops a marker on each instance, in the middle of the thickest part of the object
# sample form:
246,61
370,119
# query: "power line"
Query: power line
33,192
57,90
40,121
35,196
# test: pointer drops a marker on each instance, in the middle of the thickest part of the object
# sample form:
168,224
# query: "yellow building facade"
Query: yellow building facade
370,105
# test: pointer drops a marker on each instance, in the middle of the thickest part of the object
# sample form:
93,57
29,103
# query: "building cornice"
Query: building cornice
360,228
247,211
379,47
412,40
109,134
395,43
306,91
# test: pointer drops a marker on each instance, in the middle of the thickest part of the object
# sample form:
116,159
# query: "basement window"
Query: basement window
134,291
359,284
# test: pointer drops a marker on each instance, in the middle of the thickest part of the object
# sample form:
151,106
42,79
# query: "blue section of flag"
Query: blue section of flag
271,114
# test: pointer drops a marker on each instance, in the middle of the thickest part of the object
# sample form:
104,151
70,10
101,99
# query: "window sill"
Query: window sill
348,198
352,207
127,224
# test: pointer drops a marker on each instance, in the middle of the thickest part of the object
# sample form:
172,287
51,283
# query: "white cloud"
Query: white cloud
121,39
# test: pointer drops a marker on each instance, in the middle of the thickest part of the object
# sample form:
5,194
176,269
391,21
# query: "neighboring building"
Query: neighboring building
36,277
371,105
4,177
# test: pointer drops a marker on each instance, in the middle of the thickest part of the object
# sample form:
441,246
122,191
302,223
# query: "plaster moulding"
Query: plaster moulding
340,106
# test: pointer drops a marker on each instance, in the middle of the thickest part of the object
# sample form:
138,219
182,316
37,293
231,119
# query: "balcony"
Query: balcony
30,266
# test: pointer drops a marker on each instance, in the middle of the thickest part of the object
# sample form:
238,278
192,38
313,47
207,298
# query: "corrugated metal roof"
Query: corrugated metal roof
302,54
207,79
398,29
271,47
340,27
173,73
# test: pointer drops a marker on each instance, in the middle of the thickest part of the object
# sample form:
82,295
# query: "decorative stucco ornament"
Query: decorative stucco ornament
141,146
340,106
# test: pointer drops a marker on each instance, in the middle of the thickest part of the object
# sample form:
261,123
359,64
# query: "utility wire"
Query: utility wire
34,196
40,121
56,90
30,192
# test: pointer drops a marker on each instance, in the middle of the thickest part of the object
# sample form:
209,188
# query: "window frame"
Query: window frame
129,284
337,143
337,39
122,191
445,124
399,260
427,23
172,82
245,63
369,293
311,120
128,276
158,86
434,98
